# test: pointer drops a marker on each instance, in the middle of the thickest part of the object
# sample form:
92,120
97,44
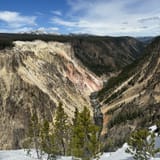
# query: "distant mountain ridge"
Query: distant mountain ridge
145,40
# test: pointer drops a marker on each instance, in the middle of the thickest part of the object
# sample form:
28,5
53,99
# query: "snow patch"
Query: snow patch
153,128
120,154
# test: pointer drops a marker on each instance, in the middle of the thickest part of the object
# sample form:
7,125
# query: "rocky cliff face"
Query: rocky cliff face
37,75
135,101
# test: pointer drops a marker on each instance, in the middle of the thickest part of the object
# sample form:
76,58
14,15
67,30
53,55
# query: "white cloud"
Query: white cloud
57,13
62,22
113,17
15,30
15,19
15,22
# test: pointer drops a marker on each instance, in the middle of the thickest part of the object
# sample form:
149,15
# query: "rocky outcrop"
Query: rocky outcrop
36,76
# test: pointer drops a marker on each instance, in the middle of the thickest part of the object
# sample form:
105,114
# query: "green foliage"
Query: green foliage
34,134
85,136
61,131
127,113
58,138
142,145
115,95
47,140
5,43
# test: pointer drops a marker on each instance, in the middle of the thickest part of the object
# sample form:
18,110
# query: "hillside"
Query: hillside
108,54
36,75
132,99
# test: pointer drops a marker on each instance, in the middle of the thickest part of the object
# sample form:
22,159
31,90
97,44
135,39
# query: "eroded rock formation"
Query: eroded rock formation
36,76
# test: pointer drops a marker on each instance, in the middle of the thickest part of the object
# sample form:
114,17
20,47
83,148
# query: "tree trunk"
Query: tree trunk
63,147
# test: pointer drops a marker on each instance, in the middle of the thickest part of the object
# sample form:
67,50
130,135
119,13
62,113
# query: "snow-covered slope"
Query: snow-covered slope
120,154
22,155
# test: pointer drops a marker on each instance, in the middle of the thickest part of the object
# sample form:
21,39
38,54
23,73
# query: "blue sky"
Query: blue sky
100,17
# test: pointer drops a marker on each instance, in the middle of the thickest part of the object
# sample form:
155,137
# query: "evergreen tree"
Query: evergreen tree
61,130
45,136
33,134
85,142
51,139
81,140
142,145
47,140
76,135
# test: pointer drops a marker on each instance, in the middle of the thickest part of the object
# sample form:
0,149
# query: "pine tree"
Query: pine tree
94,142
61,130
47,140
85,142
33,134
76,136
142,145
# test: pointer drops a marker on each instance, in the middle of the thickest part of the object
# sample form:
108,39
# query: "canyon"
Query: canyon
35,75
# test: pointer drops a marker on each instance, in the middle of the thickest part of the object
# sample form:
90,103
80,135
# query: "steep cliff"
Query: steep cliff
101,55
132,99
37,75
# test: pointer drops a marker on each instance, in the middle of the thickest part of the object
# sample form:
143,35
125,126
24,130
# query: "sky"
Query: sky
98,17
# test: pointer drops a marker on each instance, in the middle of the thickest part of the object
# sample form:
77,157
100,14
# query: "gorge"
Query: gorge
38,72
